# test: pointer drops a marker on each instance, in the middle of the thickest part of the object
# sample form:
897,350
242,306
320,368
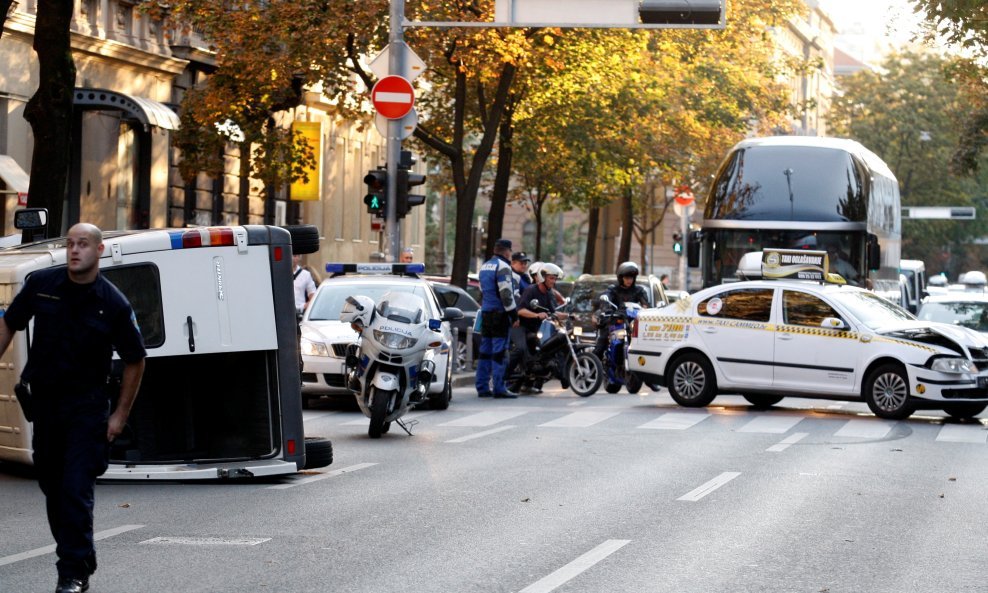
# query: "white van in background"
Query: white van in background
220,397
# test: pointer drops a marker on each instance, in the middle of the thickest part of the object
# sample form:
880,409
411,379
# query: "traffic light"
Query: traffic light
377,192
681,12
407,180
677,243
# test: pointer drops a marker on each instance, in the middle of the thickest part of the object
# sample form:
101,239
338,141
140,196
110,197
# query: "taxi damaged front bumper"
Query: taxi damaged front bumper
933,385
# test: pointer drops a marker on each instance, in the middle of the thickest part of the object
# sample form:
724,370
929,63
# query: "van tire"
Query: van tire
305,238
318,452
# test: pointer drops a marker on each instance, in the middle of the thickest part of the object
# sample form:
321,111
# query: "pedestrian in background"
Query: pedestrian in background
498,315
79,319
305,285
407,255
664,279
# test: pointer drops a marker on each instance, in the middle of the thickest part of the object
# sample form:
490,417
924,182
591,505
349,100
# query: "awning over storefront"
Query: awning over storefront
146,111
12,174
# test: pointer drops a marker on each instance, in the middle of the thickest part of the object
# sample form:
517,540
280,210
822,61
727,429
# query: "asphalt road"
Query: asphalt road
612,493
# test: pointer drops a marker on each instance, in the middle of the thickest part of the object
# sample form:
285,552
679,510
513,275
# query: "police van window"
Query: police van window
141,285
749,304
800,308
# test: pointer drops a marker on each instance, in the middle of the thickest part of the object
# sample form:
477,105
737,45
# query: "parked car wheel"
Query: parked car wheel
965,410
758,400
440,401
886,390
692,381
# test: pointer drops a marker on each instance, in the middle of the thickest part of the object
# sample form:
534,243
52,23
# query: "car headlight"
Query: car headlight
954,365
393,340
310,348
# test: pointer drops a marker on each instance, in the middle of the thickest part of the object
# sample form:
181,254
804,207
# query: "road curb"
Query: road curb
464,379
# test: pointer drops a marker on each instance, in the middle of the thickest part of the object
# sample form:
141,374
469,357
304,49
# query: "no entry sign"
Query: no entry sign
393,97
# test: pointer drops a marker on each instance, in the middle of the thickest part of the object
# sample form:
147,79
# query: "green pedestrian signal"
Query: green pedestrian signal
677,243
377,187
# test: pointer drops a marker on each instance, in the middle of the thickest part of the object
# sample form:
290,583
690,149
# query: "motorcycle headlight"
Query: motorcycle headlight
310,348
954,365
393,340
577,331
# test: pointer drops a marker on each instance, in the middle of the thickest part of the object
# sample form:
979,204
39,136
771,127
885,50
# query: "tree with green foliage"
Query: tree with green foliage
911,113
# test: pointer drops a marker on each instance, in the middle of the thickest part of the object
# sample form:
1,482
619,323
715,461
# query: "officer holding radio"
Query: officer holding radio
79,319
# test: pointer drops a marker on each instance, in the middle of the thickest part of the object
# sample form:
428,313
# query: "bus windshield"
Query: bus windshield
728,245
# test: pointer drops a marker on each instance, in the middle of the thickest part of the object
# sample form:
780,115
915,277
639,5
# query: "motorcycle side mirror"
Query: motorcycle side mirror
534,305
604,299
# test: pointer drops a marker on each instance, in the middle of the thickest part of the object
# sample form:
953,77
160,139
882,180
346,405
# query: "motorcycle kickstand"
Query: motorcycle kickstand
407,426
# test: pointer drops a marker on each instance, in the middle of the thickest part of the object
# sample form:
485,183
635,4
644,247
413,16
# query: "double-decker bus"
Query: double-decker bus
803,192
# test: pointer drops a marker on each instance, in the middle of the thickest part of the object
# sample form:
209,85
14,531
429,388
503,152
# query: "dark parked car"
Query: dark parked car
588,288
451,295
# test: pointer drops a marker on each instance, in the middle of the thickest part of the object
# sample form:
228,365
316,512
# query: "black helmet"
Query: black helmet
628,268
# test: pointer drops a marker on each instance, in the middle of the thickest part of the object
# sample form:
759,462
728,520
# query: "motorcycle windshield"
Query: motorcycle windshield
402,307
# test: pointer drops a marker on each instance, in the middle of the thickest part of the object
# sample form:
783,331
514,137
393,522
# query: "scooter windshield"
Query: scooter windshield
401,307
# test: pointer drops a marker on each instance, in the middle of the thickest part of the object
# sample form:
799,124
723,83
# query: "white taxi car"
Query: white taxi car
768,339
325,338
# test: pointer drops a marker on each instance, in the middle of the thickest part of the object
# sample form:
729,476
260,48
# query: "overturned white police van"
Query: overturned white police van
220,397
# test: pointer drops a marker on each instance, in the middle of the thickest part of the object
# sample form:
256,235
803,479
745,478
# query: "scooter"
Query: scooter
615,321
560,356
389,370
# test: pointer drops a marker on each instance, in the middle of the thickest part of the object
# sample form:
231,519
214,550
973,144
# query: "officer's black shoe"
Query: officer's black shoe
506,395
68,585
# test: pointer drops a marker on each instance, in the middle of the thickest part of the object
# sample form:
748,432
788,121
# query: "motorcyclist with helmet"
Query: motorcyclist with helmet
626,290
542,291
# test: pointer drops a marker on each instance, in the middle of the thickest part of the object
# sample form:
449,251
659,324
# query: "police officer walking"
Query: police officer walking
498,315
79,319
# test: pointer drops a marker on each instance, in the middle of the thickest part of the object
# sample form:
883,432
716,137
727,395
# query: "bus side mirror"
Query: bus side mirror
693,249
874,253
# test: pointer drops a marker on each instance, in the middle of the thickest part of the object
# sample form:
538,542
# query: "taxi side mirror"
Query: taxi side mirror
833,323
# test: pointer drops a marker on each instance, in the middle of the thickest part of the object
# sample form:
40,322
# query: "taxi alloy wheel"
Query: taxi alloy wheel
887,392
692,382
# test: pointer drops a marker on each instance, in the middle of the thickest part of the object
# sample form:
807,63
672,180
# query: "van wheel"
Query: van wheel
318,452
305,238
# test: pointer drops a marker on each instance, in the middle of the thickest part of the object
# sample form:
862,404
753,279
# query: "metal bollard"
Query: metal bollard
456,350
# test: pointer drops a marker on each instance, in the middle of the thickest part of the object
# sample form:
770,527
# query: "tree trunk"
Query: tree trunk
537,212
502,178
593,226
49,111
627,227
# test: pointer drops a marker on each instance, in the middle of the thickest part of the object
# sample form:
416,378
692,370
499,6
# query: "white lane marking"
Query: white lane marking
478,435
574,568
676,420
963,433
579,403
698,493
789,440
866,429
207,541
579,419
310,479
771,424
489,418
51,549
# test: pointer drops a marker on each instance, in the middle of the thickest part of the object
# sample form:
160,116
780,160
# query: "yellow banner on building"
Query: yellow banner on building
312,131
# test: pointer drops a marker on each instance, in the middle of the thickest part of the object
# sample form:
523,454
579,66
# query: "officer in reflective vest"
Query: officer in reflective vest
498,315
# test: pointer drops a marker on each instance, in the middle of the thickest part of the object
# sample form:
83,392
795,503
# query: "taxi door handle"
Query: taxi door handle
710,330
785,336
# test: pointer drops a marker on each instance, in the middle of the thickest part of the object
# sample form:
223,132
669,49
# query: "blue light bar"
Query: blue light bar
375,268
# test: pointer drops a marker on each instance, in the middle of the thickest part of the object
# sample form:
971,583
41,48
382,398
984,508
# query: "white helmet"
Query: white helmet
358,309
533,271
549,268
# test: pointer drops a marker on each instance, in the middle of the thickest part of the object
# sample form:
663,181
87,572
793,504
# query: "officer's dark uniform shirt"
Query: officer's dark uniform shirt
546,300
76,329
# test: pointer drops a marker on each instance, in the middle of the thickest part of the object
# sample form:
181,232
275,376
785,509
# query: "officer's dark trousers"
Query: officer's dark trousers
70,451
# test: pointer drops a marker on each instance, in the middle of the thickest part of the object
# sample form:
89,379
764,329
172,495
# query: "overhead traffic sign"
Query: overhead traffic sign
414,65
393,97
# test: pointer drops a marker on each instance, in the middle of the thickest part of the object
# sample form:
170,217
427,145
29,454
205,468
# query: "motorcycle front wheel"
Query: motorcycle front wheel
585,374
380,405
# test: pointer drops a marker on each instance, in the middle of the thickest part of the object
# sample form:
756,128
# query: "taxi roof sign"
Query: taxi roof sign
788,264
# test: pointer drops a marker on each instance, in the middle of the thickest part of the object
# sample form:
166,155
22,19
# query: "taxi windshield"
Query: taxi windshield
870,309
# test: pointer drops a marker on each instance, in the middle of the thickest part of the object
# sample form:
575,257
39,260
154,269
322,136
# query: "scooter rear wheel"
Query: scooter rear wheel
380,405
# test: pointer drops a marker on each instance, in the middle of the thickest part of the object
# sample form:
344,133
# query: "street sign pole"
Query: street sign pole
396,65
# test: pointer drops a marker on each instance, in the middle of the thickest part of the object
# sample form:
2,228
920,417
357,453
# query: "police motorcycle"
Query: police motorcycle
616,321
559,355
389,370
